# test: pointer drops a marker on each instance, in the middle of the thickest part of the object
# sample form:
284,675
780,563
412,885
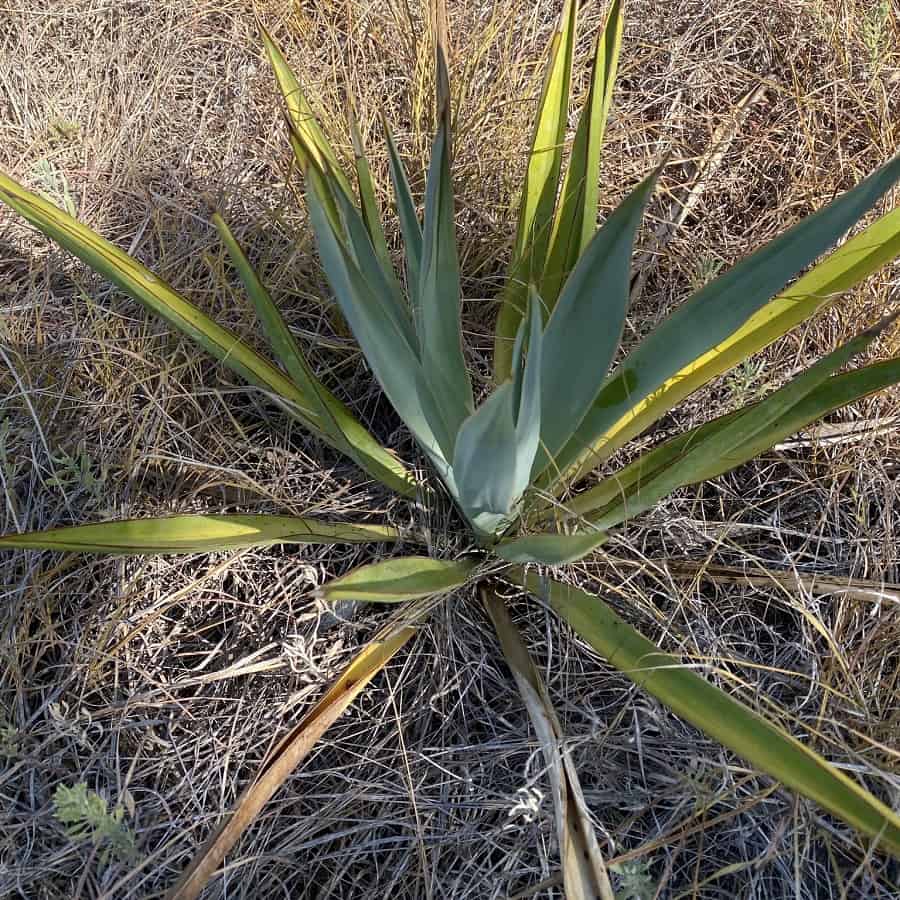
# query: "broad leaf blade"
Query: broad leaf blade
585,328
438,323
549,549
384,342
496,445
195,534
398,579
540,190
576,216
616,496
720,314
736,726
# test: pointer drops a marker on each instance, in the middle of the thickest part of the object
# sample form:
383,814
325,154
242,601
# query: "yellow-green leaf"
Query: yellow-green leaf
549,549
576,215
314,145
722,717
401,578
624,407
539,192
195,534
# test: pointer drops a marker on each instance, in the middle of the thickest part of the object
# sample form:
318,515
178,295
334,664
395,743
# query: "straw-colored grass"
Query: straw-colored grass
160,684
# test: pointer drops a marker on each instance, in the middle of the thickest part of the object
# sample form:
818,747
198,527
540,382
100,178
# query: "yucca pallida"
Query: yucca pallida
514,462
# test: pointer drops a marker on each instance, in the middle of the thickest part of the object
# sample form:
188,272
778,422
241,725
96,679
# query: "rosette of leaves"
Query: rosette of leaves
515,461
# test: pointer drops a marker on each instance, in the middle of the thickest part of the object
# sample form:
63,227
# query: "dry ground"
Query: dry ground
159,684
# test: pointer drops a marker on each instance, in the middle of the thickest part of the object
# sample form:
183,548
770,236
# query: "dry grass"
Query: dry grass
160,683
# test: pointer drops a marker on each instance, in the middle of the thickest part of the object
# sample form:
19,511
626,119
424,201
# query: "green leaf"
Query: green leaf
628,491
840,271
540,190
161,299
585,328
368,202
736,726
382,282
409,221
496,445
331,418
576,215
154,293
384,342
398,579
438,323
195,534
715,319
282,342
313,146
549,549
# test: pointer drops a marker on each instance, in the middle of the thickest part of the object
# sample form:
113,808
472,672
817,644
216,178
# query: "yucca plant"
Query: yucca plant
516,464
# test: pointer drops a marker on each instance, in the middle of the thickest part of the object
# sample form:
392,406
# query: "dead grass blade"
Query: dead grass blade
289,753
584,872
684,201
811,582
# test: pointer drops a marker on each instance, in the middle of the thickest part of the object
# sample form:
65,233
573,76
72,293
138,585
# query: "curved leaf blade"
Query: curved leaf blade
683,352
384,342
195,534
616,497
585,328
716,713
549,549
398,579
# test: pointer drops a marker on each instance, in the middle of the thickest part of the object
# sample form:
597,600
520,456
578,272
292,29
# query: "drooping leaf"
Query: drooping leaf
539,192
195,534
282,342
630,491
576,215
585,328
331,417
398,579
727,720
293,748
549,549
161,299
313,145
720,315
584,870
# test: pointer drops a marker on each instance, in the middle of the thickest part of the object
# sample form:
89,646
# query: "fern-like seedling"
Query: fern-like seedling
84,815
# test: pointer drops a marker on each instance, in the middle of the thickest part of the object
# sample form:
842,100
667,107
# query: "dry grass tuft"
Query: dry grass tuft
160,683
